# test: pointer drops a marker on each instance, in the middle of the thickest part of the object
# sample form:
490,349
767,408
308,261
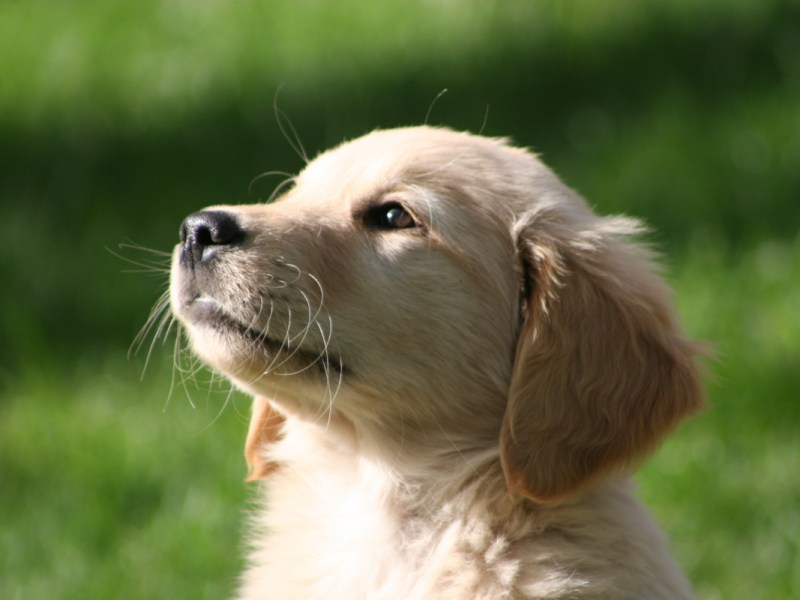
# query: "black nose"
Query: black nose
206,232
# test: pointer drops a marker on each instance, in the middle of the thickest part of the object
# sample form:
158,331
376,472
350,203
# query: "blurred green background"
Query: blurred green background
118,118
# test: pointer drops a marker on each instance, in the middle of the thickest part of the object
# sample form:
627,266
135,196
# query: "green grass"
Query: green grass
727,486
112,491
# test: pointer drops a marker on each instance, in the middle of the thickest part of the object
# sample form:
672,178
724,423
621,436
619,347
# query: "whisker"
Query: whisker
225,403
298,273
166,322
186,373
155,312
265,329
279,188
304,334
139,248
323,356
257,178
251,326
176,352
284,343
298,346
485,120
144,266
283,123
432,104
159,323
327,369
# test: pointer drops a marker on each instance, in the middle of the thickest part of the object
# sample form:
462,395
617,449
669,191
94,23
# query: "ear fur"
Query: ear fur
265,428
602,371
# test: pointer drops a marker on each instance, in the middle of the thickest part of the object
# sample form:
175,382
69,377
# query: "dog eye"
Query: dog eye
391,216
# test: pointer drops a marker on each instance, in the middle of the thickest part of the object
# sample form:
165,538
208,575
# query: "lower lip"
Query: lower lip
205,311
202,309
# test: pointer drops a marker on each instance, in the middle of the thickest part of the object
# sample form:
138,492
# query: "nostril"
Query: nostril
212,227
209,229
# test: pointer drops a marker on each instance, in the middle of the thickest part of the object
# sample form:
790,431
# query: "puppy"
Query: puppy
456,366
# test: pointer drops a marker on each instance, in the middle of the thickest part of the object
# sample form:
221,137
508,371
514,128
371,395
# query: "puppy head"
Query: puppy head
421,285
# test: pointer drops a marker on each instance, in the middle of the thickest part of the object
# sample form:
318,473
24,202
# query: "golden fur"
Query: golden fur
456,366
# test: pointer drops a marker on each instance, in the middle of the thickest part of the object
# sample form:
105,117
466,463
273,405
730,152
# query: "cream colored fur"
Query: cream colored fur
447,410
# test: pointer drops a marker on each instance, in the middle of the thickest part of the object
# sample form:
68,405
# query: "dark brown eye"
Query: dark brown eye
391,216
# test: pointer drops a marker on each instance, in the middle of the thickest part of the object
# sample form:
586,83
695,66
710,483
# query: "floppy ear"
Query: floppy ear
602,372
265,427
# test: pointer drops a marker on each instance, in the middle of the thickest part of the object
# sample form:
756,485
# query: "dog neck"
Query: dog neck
413,472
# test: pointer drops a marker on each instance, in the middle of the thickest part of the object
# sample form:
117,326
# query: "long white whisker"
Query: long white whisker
166,321
188,373
327,369
176,350
283,123
298,273
139,248
284,343
304,334
179,354
145,266
323,352
161,304
279,188
217,380
257,178
251,326
432,104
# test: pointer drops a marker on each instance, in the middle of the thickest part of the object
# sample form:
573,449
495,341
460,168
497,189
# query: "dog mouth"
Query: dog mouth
196,308
203,311
262,334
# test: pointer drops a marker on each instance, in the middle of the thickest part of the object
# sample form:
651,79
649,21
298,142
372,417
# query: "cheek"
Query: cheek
420,313
335,256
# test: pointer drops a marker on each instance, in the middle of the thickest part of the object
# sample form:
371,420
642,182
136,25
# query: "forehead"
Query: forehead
385,159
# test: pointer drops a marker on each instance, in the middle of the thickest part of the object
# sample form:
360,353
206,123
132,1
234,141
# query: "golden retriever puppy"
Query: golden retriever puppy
456,366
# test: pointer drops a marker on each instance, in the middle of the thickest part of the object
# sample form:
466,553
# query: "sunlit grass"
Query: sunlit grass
109,490
727,486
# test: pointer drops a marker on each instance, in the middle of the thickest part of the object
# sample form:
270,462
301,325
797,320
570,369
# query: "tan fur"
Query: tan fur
265,427
451,410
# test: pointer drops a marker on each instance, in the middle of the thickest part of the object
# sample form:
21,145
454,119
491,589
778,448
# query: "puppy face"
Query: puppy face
388,270
432,285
